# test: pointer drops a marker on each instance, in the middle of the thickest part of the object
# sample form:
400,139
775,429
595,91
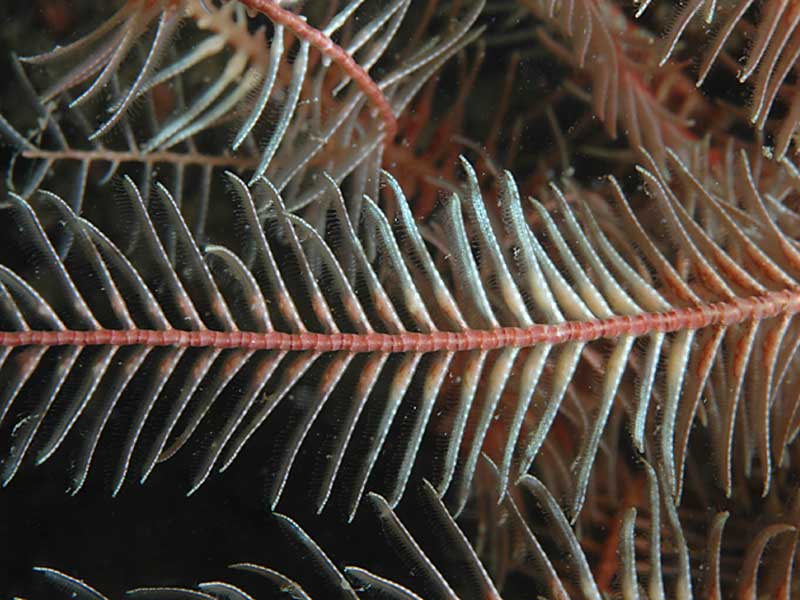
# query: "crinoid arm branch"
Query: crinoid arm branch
281,16
740,310
508,322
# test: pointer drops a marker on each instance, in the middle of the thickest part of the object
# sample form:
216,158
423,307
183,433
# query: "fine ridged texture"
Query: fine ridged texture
317,257
511,305
288,111
766,61
615,56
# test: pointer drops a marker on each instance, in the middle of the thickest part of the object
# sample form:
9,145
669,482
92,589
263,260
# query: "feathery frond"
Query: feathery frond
292,112
769,55
614,54
655,549
496,336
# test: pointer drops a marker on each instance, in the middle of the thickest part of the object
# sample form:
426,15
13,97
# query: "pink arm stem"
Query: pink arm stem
784,302
336,53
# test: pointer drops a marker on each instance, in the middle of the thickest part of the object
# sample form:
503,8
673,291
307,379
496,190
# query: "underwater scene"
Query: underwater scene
408,299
